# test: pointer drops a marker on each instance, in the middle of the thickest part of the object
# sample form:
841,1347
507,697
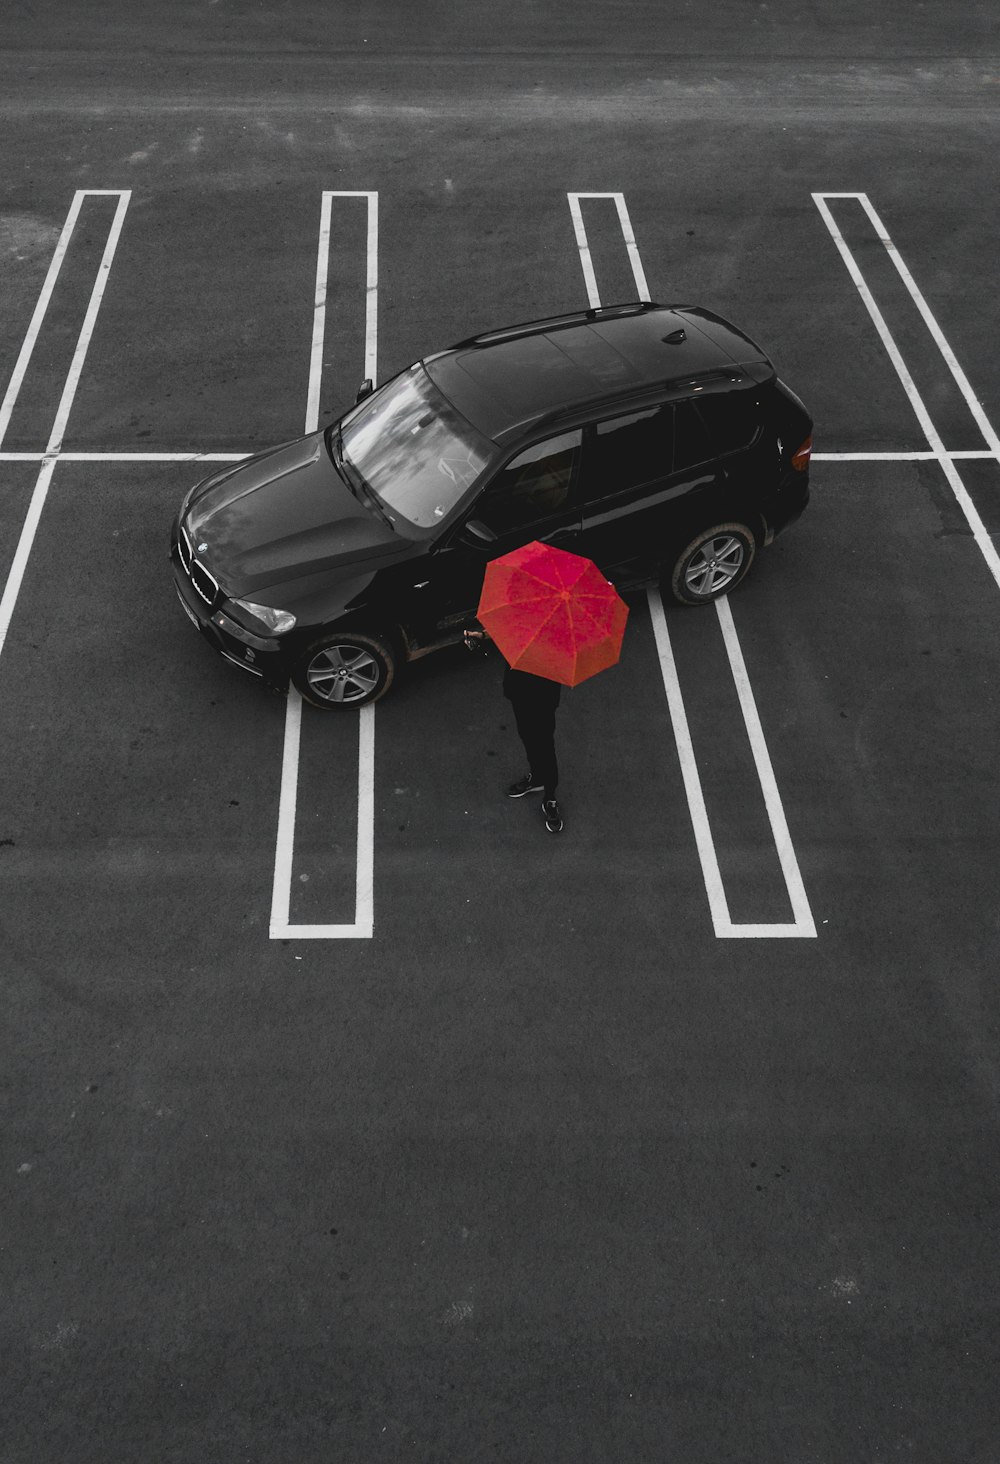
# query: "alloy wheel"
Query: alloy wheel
343,673
714,565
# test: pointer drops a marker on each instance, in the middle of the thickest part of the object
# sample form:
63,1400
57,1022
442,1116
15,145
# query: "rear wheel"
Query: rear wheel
712,564
345,670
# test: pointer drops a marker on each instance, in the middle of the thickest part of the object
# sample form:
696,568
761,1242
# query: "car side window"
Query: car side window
692,444
538,484
731,420
627,452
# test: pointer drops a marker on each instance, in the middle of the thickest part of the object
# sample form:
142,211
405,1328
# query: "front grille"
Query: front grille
205,583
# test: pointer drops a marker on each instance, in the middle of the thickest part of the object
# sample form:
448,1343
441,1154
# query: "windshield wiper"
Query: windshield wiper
356,484
376,505
337,453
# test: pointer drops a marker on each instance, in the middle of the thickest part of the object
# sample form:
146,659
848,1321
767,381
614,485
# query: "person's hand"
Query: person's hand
473,639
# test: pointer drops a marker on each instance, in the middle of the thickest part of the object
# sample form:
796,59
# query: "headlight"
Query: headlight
277,621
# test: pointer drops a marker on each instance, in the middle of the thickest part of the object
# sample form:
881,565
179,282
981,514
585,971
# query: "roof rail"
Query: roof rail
557,322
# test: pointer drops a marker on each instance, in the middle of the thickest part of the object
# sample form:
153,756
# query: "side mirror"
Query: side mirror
476,534
365,389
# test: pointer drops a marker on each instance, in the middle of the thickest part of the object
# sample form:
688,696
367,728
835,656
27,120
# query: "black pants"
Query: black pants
536,728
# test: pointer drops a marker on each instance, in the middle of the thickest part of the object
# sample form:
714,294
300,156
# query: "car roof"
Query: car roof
507,382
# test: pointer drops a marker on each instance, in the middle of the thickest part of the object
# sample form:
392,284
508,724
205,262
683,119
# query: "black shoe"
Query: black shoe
524,785
552,816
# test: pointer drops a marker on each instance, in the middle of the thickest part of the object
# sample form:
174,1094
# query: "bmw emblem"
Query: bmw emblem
202,548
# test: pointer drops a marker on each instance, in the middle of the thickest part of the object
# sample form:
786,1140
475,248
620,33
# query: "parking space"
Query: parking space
514,1155
118,798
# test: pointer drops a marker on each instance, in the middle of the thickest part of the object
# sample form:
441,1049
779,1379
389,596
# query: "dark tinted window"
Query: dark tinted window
691,440
731,420
540,483
627,452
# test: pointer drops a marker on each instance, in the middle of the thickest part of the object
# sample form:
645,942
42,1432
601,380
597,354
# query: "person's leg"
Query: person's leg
545,761
525,723
541,747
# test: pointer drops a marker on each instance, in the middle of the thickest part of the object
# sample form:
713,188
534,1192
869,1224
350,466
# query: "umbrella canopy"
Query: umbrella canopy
552,613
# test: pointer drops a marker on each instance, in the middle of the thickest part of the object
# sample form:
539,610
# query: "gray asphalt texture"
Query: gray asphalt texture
543,1171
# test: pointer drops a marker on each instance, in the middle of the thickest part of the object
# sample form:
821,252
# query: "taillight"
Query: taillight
800,458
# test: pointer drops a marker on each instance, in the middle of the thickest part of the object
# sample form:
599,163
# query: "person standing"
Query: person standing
533,700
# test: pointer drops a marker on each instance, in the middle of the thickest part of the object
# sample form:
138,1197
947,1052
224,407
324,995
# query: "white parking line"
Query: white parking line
897,457
128,457
51,455
362,927
939,452
802,924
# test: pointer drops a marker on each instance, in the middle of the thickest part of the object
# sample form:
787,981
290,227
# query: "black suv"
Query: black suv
657,441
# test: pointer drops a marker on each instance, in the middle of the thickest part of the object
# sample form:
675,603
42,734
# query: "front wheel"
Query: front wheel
712,564
345,670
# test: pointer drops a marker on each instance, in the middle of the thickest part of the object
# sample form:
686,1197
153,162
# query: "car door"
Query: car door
627,461
535,495
644,474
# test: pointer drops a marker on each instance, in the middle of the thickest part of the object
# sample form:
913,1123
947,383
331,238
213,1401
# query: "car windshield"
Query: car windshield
412,450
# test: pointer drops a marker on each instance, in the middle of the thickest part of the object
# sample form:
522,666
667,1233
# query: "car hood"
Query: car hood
282,515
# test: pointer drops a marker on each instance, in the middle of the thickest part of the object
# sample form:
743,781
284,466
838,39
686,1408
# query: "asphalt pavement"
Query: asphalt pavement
545,1168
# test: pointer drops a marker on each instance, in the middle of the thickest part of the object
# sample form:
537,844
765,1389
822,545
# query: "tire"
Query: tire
344,670
712,564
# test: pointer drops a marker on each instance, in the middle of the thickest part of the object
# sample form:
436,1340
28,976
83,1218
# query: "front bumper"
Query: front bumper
262,656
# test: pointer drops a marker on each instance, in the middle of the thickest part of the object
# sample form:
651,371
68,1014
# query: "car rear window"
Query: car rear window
731,419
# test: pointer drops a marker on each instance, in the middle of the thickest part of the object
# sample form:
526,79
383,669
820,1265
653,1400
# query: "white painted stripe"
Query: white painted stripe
586,263
319,317
982,538
127,457
364,909
281,889
899,457
363,924
638,273
371,291
962,381
803,919
38,314
319,932
874,457
40,493
717,903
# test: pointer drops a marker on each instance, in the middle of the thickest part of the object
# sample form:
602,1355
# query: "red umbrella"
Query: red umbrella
552,613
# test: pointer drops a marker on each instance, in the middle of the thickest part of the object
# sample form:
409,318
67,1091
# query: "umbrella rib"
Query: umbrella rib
601,628
540,627
578,606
